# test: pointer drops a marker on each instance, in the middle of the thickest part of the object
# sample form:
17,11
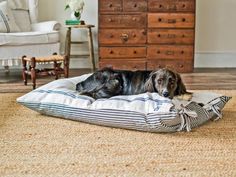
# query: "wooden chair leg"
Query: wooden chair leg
7,71
33,72
66,66
91,49
55,65
24,70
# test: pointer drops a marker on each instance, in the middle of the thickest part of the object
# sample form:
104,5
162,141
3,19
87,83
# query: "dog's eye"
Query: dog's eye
171,81
159,81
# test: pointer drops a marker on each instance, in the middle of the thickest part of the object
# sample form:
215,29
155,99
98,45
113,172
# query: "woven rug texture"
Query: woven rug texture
32,144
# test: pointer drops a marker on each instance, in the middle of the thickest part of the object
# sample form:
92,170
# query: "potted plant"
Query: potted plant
76,7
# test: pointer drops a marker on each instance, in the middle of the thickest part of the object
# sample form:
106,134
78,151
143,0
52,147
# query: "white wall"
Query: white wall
215,29
54,10
215,33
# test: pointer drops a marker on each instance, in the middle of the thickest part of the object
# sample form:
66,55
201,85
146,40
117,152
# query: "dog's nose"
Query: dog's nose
165,94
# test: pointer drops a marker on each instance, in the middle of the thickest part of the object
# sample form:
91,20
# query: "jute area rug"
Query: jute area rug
36,145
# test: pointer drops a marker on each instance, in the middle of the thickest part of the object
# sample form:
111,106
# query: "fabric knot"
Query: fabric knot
216,109
186,116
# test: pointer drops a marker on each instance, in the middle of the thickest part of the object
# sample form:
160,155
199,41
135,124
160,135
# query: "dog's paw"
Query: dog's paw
185,97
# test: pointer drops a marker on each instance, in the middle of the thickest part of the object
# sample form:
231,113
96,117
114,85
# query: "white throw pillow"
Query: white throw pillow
7,21
19,4
24,25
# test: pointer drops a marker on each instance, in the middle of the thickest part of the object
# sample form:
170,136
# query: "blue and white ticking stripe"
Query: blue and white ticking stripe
144,112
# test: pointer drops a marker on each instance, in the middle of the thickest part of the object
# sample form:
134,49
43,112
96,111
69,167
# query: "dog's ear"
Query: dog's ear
79,87
181,89
98,75
148,86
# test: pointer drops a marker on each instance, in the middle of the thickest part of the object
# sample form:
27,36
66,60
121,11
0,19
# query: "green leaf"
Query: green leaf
77,14
67,7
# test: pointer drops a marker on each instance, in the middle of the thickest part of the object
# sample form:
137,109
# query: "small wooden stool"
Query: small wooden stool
90,43
55,71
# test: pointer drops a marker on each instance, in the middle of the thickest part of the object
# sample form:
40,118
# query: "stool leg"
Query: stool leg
24,70
7,71
33,72
56,69
66,66
91,50
68,42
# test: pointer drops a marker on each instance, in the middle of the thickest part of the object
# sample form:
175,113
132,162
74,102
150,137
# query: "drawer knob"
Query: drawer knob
134,19
159,19
135,51
135,5
183,6
181,66
158,51
110,5
183,36
134,35
160,6
182,52
109,20
111,52
124,37
159,35
135,67
111,36
184,20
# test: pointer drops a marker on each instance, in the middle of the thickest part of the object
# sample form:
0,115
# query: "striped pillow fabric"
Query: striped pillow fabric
7,21
144,112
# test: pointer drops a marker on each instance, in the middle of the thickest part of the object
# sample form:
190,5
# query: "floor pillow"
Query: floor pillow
145,112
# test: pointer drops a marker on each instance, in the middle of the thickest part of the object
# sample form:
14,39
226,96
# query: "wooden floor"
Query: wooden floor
200,79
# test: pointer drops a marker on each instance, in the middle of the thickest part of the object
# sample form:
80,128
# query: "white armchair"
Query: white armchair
34,38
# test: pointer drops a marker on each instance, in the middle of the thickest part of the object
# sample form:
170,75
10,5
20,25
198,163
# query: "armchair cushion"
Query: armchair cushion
46,26
7,21
22,38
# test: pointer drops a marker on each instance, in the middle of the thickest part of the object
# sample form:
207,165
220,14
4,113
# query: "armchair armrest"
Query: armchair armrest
46,26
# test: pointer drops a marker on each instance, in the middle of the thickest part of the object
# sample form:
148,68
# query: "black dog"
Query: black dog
106,83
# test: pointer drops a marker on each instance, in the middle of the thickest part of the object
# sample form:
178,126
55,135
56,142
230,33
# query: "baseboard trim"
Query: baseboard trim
202,60
215,60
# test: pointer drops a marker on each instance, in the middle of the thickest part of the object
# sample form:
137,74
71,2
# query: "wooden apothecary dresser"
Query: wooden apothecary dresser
147,34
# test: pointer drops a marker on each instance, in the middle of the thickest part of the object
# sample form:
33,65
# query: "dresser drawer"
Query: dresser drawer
171,5
123,64
122,21
122,36
169,52
122,52
170,20
110,5
170,36
181,66
135,5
